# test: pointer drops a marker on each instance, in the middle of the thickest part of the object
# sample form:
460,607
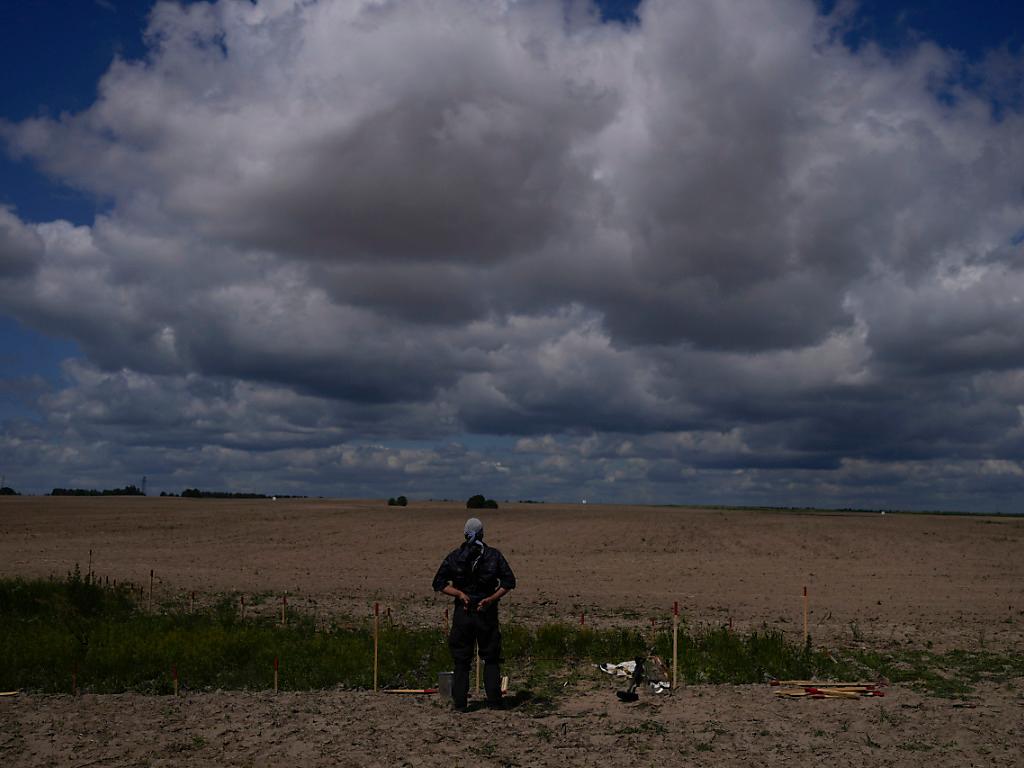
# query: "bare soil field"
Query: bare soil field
954,581
699,725
874,581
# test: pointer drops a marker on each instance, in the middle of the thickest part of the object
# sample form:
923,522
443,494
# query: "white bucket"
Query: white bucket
444,687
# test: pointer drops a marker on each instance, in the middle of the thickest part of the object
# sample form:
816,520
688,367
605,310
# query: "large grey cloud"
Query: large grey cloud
717,235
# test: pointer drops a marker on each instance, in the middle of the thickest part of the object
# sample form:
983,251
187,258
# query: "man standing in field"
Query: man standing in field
477,576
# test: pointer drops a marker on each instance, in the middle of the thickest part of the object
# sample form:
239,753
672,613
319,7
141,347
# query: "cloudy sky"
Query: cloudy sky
691,251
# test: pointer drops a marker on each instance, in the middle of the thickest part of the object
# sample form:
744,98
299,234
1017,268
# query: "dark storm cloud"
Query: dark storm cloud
714,250
20,247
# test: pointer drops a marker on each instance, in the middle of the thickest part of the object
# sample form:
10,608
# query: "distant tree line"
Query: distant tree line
195,493
128,490
479,501
8,491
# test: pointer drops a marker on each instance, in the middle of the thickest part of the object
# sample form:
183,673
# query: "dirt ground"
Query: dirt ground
873,580
700,725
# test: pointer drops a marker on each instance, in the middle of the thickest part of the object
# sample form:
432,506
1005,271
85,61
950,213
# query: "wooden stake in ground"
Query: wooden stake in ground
150,590
376,642
583,619
275,674
284,607
805,616
192,602
675,644
241,603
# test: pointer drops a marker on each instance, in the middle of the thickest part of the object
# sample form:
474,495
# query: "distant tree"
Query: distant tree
401,501
128,490
195,493
392,502
8,491
480,502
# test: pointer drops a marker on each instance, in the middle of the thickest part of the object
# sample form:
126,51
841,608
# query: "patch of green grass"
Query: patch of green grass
487,749
49,629
567,642
948,675
722,656
647,726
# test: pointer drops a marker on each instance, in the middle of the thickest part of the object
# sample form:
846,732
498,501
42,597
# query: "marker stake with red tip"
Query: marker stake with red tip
376,643
675,644
805,616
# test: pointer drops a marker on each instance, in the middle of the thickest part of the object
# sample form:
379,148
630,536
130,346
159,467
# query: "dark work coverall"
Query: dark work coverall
479,573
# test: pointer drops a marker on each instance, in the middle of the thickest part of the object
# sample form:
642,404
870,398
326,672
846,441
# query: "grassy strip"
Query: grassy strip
948,675
49,629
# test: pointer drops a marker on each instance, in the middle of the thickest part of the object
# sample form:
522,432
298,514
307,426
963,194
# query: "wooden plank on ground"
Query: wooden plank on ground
828,683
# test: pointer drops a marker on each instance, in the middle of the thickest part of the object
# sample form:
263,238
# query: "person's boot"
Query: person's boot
460,686
492,685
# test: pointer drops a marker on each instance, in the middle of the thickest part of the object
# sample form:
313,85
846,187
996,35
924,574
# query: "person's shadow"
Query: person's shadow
516,701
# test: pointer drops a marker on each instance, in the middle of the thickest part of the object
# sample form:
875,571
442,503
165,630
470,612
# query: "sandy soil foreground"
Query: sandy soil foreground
700,725
956,582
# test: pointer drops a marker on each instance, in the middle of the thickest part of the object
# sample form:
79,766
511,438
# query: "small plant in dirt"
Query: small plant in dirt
855,632
487,749
647,726
890,718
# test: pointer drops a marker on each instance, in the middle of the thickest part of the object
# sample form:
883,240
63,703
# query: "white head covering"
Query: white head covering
474,530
